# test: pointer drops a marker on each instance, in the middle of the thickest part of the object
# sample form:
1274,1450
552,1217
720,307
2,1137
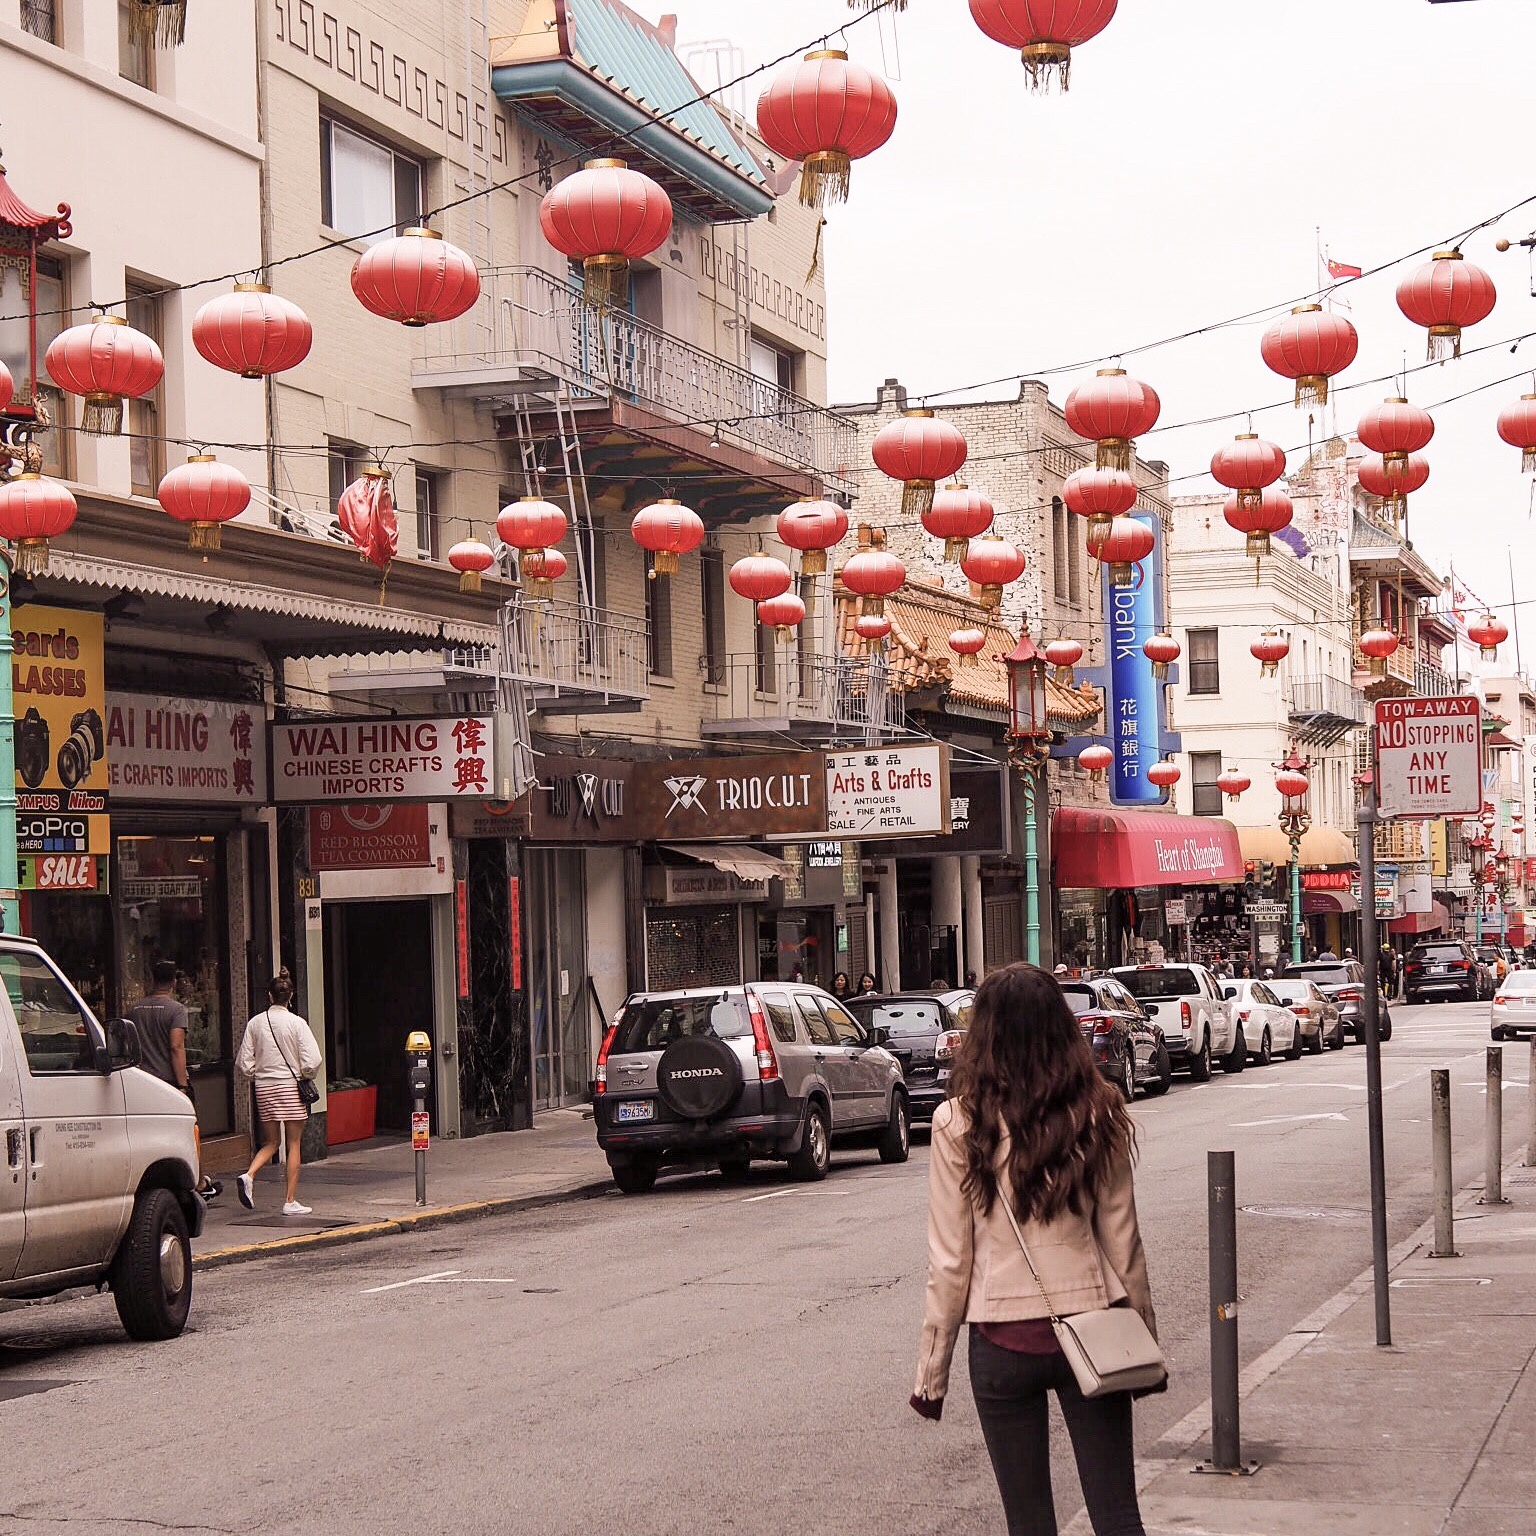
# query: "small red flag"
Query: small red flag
1340,268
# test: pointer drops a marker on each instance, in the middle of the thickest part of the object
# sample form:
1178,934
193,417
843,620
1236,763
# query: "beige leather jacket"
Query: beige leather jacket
977,1274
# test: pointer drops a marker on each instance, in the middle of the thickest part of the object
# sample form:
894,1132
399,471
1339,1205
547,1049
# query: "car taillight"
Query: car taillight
948,1044
1348,996
1413,965
1244,1015
1301,1010
1462,965
1097,1024
767,1061
1185,1017
600,1077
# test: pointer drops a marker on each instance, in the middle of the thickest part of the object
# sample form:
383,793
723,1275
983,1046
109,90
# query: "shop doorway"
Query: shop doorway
563,1014
378,988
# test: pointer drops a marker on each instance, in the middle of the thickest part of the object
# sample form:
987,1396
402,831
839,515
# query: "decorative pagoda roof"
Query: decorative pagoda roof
27,221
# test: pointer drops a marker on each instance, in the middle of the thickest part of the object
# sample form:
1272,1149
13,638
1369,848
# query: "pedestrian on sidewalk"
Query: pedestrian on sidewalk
278,1050
1032,1122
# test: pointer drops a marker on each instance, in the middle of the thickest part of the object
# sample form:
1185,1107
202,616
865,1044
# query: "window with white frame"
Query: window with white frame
368,189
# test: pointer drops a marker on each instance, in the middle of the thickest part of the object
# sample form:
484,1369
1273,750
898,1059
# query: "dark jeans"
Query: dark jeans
1010,1391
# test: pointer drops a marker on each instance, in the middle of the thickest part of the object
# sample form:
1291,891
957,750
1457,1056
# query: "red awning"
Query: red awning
1114,850
1436,920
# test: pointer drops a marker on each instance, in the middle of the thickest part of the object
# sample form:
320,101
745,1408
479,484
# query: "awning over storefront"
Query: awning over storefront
1321,847
745,863
1115,850
1436,920
1326,903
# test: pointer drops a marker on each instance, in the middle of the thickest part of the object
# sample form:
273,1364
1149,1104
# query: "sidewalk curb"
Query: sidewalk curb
394,1226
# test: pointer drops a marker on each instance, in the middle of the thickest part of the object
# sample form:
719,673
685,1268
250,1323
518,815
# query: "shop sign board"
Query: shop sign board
889,792
444,758
1175,912
59,698
370,836
1326,880
782,794
189,751
978,814
1530,871
675,885
1264,911
1429,757
160,888
62,872
824,856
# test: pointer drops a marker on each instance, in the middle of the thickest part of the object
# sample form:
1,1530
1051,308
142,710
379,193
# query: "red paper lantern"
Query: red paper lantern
874,574
1487,633
1097,759
605,216
471,559
1393,481
1164,774
1377,645
7,386
967,644
760,577
1443,295
957,516
826,113
1270,514
1395,428
1246,465
1270,649
417,278
530,525
1292,783
1063,654
1100,495
366,512
919,449
252,332
1162,651
872,629
1044,31
812,527
542,568
990,564
1232,783
784,613
1517,426
206,494
1310,345
1122,546
106,361
1113,409
32,511
667,529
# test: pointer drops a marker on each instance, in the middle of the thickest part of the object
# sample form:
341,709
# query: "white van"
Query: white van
98,1182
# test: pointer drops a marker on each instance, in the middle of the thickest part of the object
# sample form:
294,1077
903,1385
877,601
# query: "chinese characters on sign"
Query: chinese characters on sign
440,759
888,792
1133,702
185,750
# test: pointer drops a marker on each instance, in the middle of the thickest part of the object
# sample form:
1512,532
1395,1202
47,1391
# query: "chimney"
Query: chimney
667,29
866,536
892,392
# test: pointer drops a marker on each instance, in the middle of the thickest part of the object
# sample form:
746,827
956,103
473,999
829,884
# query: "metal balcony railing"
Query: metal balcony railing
1431,682
572,657
1325,709
530,326
833,698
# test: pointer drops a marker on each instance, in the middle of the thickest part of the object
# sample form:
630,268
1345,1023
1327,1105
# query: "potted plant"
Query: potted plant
351,1106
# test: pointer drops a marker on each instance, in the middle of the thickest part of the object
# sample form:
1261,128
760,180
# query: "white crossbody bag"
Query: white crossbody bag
1109,1349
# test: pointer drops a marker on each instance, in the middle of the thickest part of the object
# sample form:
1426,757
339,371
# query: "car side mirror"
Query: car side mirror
1230,993
122,1049
881,1034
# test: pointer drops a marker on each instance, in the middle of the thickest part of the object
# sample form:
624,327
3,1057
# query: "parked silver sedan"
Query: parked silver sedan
1316,1012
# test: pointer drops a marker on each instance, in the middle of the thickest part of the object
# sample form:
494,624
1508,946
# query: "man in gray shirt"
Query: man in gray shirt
162,1023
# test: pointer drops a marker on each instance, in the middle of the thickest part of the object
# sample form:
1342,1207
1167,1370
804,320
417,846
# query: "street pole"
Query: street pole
1296,901
1370,944
1031,862
10,876
1440,1164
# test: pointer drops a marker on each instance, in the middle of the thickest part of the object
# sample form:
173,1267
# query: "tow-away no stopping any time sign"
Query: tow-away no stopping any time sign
1429,757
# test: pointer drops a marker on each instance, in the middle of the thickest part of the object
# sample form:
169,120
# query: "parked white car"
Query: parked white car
1185,1001
1267,1024
100,1174
1512,1012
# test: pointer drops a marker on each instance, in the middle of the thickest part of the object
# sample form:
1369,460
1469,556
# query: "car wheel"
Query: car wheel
734,1170
1200,1062
1496,1033
1315,1043
1266,1052
637,1177
895,1142
1128,1075
1237,1058
1294,1049
815,1155
1384,1026
152,1272
1164,1079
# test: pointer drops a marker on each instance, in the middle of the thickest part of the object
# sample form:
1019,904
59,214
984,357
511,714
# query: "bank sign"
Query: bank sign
1133,696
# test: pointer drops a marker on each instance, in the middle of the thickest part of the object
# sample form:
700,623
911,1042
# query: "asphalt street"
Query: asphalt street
709,1358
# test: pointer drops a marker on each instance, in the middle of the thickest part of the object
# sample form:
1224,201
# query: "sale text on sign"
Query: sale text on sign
1429,756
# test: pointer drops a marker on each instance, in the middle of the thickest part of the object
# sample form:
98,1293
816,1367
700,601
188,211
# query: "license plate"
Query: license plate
635,1109
1438,970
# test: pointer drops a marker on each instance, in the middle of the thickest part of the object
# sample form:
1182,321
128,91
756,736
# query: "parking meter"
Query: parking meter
418,1048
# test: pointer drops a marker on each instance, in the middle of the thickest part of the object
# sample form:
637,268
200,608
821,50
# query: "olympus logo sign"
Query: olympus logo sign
697,1072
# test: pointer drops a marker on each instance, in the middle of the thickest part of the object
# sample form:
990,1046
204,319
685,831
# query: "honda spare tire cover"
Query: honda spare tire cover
698,1077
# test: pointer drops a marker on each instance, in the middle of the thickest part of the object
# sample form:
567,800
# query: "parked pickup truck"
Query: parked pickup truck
1197,1024
98,1183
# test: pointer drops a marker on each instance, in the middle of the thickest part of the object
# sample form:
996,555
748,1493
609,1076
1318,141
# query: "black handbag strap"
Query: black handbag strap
272,1030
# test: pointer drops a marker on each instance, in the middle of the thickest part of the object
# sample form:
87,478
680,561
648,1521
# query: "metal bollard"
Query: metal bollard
1440,1161
1493,1131
418,1048
1530,1075
1226,1436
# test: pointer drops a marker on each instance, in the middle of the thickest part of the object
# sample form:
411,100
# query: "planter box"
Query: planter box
350,1115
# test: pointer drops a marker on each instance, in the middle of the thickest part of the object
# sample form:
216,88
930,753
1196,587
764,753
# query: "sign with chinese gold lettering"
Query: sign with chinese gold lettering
390,759
889,791
186,750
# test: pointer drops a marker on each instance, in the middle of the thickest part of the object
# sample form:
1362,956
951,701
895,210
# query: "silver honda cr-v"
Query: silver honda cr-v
725,1074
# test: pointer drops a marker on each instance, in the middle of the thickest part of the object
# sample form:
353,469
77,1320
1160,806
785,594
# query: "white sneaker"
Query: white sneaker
247,1188
293,1208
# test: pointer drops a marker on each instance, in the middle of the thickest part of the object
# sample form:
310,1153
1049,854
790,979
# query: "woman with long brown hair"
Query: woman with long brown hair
1032,1124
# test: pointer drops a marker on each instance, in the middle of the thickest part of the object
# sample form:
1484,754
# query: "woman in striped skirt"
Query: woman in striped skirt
278,1049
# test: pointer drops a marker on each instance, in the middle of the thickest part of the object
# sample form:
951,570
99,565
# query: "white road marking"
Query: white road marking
776,1194
441,1274
1243,1125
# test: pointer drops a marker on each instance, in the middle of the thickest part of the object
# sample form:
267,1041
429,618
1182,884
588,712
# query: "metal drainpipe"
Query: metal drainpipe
9,873
1031,867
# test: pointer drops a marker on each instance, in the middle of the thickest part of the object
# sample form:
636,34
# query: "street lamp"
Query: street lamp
1029,735
1478,846
1293,784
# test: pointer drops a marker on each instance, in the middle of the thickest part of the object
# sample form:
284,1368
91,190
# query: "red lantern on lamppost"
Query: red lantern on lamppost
1395,429
1488,633
783,613
873,575
826,112
1377,645
32,511
1165,774
1517,426
957,516
530,525
106,361
205,494
1393,481
968,643
989,565
1246,465
812,527
1162,651
1096,760
471,559
1063,654
1256,521
252,332
667,529
1112,409
919,449
1100,495
605,216
1310,345
416,279
1291,782
1044,31
1269,650
24,233
1443,295
1232,782
1122,546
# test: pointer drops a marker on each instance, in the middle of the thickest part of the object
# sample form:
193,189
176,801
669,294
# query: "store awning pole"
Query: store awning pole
10,873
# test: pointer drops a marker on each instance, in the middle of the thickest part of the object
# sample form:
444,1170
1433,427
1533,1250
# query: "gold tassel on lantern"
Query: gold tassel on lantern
469,581
205,536
825,177
161,23
1444,342
31,557
1047,64
1528,461
664,563
917,500
1113,453
103,415
607,280
1312,389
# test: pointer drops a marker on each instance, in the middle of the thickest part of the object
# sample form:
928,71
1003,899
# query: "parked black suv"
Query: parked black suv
1445,968
921,1027
1128,1048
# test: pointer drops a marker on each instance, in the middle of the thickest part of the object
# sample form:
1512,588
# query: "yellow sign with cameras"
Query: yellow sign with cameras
59,692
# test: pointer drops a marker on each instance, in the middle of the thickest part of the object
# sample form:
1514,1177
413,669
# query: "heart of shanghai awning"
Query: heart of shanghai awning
747,864
1116,850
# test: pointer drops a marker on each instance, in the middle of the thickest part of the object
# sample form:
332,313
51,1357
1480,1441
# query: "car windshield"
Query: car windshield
1437,952
653,1023
1291,991
1171,981
1081,999
901,1018
1488,954
1519,981
1330,975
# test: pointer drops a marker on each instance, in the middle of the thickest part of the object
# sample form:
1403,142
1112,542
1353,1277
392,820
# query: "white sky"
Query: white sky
1179,183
